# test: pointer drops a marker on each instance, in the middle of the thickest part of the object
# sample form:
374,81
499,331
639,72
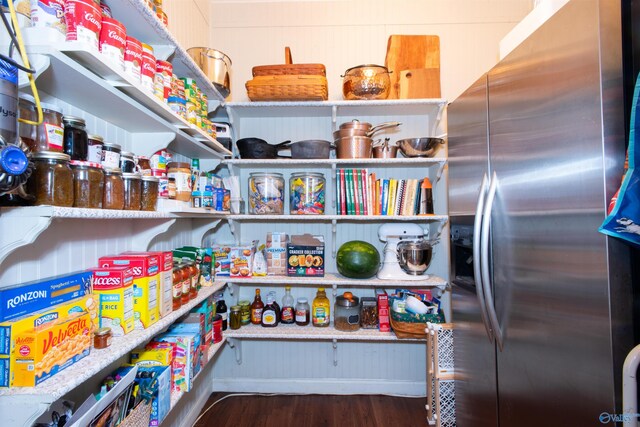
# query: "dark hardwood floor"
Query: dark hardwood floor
314,411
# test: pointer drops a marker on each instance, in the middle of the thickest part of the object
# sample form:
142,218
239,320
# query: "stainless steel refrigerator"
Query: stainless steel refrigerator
541,300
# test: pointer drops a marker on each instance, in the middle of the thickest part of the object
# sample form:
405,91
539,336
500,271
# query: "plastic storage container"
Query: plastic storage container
307,193
132,191
347,314
368,313
266,193
113,189
88,184
51,182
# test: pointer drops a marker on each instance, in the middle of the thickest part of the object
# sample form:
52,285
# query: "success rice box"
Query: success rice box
165,299
114,287
146,278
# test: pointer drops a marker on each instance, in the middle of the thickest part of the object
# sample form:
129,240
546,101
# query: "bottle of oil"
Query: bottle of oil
320,309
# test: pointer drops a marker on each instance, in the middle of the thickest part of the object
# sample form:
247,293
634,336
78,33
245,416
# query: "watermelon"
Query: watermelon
358,260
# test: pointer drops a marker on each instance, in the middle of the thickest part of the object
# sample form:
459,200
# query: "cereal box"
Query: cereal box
222,260
114,287
28,298
146,277
165,284
44,351
277,254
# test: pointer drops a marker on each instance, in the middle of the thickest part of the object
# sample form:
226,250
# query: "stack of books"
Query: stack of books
361,193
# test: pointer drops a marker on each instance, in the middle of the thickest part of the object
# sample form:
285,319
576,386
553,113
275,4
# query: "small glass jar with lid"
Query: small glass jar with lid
51,182
50,133
75,141
127,162
235,317
132,191
347,313
27,111
88,184
111,155
149,197
113,197
94,148
144,166
307,193
266,193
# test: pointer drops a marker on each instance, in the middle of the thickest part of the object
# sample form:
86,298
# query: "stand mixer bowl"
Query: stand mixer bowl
414,257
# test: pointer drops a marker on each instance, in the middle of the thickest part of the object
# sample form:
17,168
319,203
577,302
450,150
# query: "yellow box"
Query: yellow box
114,287
152,356
44,351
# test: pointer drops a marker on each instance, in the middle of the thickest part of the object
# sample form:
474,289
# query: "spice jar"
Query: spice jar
27,111
303,312
132,191
111,155
75,141
369,313
266,193
51,182
347,313
127,162
102,338
245,312
94,148
176,290
181,173
306,193
113,197
149,193
49,133
88,184
235,317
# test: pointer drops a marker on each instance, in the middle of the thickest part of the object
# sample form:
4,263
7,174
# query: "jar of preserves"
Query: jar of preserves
176,290
102,338
245,312
149,193
27,111
132,191
49,133
235,317
266,193
127,162
194,275
347,313
111,155
144,166
94,148
88,184
113,197
186,283
75,141
306,191
51,182
303,312
181,173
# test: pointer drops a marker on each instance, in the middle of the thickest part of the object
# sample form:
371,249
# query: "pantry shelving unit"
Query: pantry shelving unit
334,279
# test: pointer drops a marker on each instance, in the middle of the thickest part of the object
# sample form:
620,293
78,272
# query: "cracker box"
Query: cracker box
44,351
28,298
305,256
146,278
185,349
190,329
383,310
222,259
114,287
277,254
242,259
152,356
165,283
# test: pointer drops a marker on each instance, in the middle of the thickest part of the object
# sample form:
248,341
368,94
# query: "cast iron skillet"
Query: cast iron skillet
256,148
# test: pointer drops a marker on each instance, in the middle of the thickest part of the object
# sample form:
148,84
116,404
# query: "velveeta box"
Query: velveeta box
165,303
277,254
44,351
222,263
146,278
305,256
114,287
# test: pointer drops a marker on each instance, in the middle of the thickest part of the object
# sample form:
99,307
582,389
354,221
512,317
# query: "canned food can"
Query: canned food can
84,21
46,14
148,72
133,58
113,40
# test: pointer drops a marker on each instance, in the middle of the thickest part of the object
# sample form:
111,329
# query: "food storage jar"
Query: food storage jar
27,111
181,173
88,184
75,141
49,133
111,155
132,191
51,182
113,197
144,167
369,313
245,312
306,193
127,162
94,148
102,338
266,193
347,313
149,193
235,317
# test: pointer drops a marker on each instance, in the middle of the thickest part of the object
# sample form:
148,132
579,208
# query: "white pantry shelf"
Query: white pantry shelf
296,163
339,218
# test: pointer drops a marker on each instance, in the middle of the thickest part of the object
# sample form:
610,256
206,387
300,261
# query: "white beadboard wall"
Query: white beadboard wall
344,33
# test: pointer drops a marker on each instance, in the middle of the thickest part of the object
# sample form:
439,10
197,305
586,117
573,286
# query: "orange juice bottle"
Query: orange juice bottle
320,309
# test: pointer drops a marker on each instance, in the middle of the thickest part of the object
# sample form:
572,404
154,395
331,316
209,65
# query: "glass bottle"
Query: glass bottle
270,313
221,309
75,140
321,309
256,309
176,292
194,274
186,284
302,312
272,294
235,317
287,315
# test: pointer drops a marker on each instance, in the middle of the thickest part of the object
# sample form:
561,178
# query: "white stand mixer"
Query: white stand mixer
393,234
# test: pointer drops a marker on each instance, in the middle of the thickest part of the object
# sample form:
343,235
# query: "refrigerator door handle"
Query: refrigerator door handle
477,256
486,275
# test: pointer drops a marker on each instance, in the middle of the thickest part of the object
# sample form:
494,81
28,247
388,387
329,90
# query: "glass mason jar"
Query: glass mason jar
127,162
27,111
113,189
88,184
149,193
94,148
111,155
51,182
307,193
266,193
347,314
49,134
132,191
75,142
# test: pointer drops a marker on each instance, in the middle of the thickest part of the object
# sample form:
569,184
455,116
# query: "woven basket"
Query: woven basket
289,68
139,417
288,88
408,329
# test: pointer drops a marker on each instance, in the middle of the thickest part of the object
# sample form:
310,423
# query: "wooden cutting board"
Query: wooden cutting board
410,52
419,83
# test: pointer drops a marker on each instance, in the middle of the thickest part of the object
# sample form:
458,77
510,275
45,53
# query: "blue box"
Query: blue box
161,403
28,298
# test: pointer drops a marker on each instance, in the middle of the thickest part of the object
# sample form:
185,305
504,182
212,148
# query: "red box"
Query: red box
114,285
383,310
165,288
